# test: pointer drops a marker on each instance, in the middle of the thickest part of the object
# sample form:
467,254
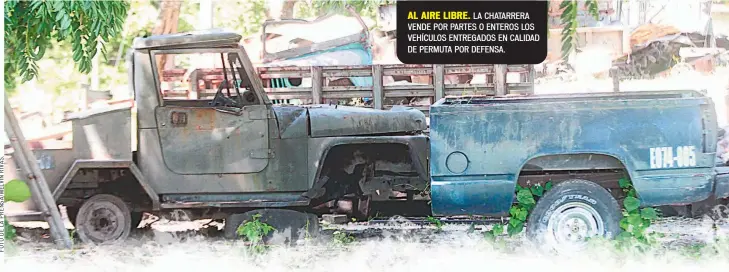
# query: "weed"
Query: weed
15,191
526,200
635,220
8,230
377,215
435,221
342,238
253,232
471,228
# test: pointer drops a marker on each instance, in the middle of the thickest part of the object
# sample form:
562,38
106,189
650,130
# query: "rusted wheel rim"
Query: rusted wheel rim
105,222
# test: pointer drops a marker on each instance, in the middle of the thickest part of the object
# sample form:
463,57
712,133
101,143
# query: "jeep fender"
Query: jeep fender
418,146
120,164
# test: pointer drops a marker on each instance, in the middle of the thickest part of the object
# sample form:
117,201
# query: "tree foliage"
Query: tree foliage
365,8
569,20
32,26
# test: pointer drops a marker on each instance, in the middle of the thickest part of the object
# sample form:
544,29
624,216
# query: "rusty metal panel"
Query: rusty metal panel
202,39
287,171
292,121
267,199
53,163
210,141
349,121
103,134
146,97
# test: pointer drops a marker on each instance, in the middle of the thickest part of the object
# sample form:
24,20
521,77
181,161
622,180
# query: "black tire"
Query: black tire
587,202
289,226
71,214
136,219
103,219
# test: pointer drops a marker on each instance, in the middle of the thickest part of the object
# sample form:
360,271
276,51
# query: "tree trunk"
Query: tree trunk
167,21
280,9
287,10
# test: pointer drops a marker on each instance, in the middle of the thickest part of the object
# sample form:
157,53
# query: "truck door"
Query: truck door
210,120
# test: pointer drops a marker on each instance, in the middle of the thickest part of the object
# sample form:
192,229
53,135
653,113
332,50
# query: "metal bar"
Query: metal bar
317,85
410,93
347,95
377,87
234,204
348,73
346,88
39,187
439,81
615,75
500,79
428,88
530,78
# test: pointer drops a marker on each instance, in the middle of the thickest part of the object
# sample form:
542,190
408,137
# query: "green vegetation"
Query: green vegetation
435,221
635,220
526,199
32,26
342,238
253,232
15,191
569,21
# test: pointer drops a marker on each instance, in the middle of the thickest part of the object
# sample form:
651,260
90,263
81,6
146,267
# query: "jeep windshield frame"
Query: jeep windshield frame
244,72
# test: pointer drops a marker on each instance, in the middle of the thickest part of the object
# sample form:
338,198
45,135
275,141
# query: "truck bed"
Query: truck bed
480,146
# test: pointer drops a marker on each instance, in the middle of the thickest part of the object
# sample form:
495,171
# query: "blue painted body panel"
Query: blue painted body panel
499,136
721,188
359,49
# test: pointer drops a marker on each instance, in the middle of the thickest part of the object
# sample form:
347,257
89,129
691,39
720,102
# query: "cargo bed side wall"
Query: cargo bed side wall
53,163
477,151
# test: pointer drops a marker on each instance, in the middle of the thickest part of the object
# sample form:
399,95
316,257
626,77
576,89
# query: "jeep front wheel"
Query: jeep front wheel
572,212
103,219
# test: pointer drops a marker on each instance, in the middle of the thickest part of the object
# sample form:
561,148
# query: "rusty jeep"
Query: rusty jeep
215,147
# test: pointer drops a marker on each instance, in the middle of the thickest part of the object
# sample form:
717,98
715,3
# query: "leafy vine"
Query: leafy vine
526,199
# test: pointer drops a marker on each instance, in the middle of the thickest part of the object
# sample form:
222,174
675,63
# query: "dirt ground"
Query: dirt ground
397,245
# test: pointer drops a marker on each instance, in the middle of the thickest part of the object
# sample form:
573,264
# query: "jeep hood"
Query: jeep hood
332,120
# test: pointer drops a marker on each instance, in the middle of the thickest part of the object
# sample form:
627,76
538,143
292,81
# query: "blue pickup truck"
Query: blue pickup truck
664,142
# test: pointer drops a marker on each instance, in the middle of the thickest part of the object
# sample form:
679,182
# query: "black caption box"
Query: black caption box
472,32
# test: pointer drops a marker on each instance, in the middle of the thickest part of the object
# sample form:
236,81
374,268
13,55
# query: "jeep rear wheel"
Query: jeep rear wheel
103,219
572,212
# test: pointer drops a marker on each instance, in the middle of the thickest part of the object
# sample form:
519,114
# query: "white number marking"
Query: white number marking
663,157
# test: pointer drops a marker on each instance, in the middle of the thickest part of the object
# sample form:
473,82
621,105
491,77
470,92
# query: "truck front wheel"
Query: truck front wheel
103,219
570,213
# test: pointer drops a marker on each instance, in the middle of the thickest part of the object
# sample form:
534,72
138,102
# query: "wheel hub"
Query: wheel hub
103,221
572,224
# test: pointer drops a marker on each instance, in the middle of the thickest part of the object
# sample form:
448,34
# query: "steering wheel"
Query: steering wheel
221,100
249,96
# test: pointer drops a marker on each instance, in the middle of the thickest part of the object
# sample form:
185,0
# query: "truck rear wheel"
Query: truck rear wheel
570,213
103,219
